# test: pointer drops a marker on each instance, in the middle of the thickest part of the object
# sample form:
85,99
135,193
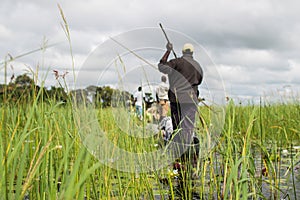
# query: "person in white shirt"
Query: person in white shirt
162,98
139,101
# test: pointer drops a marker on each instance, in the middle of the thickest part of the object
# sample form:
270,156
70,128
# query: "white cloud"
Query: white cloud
254,59
254,43
4,32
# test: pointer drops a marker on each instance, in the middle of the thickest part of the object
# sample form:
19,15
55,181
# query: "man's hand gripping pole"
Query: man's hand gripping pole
163,30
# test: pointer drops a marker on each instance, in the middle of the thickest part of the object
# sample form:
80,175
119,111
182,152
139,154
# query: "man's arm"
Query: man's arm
162,66
164,59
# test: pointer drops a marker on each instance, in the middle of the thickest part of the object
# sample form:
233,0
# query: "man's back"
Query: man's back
139,98
162,91
185,74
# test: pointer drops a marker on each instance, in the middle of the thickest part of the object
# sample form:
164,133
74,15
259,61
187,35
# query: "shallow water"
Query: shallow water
288,176
287,184
287,179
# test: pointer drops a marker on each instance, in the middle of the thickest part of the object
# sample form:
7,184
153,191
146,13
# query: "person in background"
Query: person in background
139,101
162,98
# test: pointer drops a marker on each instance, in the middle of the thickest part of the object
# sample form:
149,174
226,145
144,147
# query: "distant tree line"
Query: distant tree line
24,90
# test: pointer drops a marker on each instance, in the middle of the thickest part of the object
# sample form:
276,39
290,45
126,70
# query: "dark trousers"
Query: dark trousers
183,119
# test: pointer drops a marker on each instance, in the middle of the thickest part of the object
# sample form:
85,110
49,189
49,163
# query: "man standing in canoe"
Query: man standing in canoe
185,75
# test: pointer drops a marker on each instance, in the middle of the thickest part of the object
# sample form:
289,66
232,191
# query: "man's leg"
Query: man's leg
175,147
184,138
188,112
175,114
139,111
183,118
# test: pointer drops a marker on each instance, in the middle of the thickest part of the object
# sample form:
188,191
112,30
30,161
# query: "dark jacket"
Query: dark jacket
185,74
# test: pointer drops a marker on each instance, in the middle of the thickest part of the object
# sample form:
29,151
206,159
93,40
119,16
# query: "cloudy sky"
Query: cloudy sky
253,45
